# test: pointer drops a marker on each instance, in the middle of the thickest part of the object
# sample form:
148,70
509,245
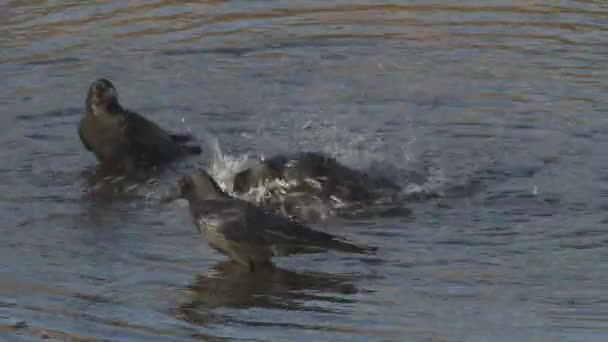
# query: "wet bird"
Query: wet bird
247,233
122,139
314,173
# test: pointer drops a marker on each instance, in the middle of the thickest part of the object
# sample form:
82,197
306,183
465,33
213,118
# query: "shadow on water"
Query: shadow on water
229,285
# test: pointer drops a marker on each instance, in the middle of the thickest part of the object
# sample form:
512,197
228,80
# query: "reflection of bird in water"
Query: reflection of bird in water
228,284
101,184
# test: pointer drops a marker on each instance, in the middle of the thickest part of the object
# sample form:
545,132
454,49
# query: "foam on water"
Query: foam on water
432,187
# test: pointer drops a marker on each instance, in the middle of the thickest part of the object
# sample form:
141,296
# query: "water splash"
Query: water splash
223,167
374,155
431,187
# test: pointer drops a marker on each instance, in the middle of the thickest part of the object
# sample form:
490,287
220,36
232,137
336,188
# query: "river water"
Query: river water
498,109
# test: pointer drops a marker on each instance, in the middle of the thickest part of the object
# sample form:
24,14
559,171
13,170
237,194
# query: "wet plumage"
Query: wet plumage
313,173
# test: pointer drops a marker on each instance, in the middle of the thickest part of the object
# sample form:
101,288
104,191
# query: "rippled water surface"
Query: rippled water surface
496,108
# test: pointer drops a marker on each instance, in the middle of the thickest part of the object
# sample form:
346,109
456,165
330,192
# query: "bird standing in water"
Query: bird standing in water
123,140
246,233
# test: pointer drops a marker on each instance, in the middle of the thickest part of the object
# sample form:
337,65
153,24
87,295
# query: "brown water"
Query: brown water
498,106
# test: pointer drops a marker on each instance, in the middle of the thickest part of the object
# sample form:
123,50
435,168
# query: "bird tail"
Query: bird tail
191,149
180,138
321,246
349,247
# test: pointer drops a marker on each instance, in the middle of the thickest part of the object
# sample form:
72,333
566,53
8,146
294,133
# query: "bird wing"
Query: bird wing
244,222
180,138
291,236
147,139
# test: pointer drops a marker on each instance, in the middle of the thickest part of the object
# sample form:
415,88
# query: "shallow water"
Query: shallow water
500,107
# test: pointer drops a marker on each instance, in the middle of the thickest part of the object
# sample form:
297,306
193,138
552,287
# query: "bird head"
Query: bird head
101,97
198,186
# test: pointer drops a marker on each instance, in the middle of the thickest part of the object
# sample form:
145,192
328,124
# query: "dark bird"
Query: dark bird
313,173
122,139
247,233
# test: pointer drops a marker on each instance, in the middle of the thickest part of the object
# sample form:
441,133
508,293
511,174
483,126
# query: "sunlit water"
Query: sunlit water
499,107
